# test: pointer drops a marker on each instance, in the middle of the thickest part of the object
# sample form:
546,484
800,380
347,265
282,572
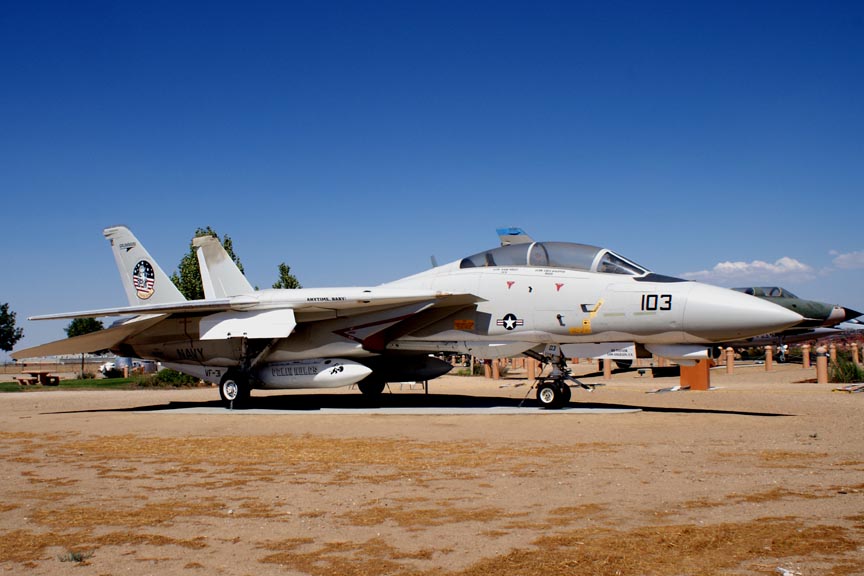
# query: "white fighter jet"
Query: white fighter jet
547,300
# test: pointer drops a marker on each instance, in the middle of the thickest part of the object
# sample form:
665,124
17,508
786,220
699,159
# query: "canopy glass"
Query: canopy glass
556,255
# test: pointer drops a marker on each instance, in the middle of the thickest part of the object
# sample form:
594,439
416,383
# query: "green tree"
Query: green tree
187,278
9,334
80,326
286,279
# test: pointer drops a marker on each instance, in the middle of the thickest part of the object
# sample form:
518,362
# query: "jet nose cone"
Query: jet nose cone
850,314
717,314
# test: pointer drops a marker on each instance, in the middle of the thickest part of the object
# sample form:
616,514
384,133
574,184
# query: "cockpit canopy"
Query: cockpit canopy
555,255
767,292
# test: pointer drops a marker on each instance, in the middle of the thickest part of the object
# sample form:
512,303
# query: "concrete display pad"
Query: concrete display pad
419,411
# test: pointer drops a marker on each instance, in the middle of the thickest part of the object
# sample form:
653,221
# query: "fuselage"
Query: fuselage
556,305
525,306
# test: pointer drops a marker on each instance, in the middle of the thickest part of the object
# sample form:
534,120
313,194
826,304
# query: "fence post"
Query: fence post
821,365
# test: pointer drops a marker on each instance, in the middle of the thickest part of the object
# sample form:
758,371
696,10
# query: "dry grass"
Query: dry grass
141,538
344,558
311,454
151,514
56,482
321,464
783,459
582,511
775,494
419,518
787,458
693,550
43,495
26,546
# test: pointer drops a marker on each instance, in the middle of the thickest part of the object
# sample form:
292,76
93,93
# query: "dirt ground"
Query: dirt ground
763,475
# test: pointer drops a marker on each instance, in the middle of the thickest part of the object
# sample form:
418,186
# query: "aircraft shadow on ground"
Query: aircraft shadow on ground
349,402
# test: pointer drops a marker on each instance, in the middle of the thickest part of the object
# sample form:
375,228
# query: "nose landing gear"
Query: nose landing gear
553,391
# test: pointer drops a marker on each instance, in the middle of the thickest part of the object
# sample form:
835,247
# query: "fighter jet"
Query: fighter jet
815,313
819,319
547,300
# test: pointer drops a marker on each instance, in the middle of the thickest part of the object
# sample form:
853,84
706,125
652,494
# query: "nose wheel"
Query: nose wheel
552,394
553,391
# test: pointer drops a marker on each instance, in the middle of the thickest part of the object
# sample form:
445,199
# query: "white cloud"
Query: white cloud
785,268
848,261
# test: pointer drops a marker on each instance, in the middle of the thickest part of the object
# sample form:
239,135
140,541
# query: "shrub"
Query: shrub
844,371
466,371
168,378
79,557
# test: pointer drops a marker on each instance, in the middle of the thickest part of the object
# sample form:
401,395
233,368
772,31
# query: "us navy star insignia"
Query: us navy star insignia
510,321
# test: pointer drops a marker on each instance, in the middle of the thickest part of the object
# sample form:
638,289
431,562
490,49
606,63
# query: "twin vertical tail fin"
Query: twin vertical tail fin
142,278
220,275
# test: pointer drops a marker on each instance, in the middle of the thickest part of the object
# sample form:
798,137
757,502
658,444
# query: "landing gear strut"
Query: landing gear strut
553,391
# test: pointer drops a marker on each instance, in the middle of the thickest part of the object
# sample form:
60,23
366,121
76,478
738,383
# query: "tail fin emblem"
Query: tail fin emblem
144,279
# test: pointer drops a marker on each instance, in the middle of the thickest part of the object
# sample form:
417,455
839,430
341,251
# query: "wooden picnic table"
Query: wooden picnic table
42,377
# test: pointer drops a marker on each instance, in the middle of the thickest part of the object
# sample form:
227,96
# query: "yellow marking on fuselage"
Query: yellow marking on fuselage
586,323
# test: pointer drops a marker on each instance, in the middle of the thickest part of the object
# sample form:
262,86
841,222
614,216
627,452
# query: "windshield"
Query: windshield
767,292
555,255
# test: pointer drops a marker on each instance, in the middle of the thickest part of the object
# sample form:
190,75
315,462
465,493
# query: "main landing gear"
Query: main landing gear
234,389
371,387
553,391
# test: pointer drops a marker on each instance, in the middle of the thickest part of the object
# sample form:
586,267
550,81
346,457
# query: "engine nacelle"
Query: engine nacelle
313,373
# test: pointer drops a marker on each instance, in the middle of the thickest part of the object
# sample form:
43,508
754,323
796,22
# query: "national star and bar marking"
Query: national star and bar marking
510,322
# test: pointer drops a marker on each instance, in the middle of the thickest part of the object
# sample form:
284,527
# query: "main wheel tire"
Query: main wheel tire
565,394
549,395
371,388
235,390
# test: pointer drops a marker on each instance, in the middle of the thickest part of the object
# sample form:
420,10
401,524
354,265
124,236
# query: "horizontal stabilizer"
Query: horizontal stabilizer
87,343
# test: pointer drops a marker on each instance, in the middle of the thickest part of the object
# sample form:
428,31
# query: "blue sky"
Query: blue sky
353,140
